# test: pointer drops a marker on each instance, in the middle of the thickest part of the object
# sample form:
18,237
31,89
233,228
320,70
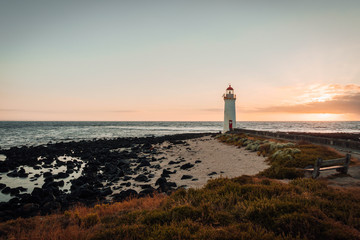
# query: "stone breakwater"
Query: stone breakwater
343,140
87,172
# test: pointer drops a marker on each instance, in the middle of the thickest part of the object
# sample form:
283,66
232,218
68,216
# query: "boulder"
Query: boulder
212,173
164,185
186,166
173,162
106,191
30,209
160,181
141,178
14,191
51,207
47,174
166,173
125,194
144,163
186,177
6,190
13,174
61,175
147,191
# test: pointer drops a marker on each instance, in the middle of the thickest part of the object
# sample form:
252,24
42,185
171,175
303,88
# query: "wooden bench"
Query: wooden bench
339,164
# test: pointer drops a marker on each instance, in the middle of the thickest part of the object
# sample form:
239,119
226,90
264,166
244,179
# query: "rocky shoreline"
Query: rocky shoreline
87,172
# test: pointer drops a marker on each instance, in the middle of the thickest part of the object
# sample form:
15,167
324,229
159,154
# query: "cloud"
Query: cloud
338,105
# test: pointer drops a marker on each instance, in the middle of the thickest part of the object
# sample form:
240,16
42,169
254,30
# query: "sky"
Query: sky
74,60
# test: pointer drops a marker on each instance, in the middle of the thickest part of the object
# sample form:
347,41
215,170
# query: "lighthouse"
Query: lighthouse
229,109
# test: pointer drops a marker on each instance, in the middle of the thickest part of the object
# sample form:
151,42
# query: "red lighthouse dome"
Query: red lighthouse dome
229,88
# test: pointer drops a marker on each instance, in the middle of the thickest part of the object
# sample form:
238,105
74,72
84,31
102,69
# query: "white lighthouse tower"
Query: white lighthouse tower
229,110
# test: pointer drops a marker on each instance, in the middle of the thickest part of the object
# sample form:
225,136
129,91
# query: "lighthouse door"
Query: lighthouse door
230,125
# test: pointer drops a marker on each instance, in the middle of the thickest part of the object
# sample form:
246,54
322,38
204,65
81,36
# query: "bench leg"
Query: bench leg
346,164
317,165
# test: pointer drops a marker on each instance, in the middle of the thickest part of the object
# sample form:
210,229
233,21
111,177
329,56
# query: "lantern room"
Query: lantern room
229,94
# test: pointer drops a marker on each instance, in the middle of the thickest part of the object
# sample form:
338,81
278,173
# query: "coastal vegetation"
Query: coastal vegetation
240,208
286,159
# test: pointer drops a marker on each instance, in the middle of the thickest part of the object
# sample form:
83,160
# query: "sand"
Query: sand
217,159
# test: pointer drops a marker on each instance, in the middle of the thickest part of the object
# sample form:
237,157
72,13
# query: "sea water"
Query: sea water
13,133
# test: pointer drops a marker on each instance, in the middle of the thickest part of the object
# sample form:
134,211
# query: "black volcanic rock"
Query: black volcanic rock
30,209
6,190
14,191
212,173
186,166
144,163
147,191
160,181
13,174
36,167
47,174
61,175
186,177
106,191
126,178
141,178
22,173
164,185
125,194
166,173
51,207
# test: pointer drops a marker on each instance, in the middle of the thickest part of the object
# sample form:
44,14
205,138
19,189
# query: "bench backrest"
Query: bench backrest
333,162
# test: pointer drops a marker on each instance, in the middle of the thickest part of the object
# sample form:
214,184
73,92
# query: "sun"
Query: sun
324,117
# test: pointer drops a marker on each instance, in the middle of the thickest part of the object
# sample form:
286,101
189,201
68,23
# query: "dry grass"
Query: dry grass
239,208
81,222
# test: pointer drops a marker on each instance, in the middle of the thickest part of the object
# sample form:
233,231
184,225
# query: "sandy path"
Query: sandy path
225,160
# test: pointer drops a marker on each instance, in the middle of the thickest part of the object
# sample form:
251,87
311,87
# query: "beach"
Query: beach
52,177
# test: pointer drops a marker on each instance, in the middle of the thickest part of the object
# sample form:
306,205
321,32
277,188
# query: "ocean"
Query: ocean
13,133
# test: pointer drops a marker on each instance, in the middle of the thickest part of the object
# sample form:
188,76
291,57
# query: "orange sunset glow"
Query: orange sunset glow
173,61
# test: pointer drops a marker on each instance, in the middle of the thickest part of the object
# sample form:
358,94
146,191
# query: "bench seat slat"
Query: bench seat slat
325,168
330,168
